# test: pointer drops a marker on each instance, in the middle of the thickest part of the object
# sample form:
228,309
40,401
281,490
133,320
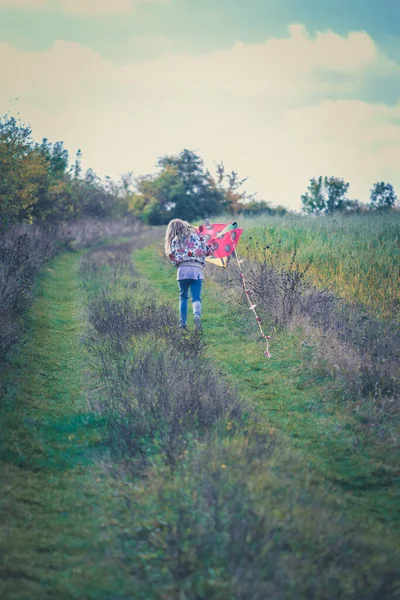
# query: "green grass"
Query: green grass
47,399
307,496
53,505
72,526
302,403
358,256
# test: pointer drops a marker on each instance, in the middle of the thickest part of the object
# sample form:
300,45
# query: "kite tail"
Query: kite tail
252,306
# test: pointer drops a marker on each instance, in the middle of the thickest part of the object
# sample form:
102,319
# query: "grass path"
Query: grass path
48,400
52,506
301,402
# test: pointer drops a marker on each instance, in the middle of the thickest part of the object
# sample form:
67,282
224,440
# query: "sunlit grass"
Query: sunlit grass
357,256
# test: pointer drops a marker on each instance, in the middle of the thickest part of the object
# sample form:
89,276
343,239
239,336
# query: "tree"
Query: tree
314,200
76,169
182,189
95,197
382,195
336,191
236,199
261,207
326,195
56,201
195,193
37,184
23,172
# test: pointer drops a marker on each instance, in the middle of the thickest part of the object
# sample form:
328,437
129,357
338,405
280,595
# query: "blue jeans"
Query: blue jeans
195,291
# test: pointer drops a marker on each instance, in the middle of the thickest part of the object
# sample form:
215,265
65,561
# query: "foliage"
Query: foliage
182,189
383,195
155,198
185,189
280,286
23,172
231,185
356,256
260,207
37,184
326,195
24,250
20,260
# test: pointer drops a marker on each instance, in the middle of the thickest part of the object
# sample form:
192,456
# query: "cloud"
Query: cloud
280,112
82,7
101,7
151,46
23,3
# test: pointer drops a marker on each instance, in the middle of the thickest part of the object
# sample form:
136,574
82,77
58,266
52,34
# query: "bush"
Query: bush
168,400
284,293
25,249
231,522
22,254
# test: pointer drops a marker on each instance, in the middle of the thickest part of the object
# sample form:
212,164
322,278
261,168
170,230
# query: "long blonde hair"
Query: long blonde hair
176,229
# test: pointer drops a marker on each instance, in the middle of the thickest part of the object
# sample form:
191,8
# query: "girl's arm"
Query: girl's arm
171,255
206,247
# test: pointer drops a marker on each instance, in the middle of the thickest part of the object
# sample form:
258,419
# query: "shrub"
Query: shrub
232,523
25,249
283,293
168,400
22,254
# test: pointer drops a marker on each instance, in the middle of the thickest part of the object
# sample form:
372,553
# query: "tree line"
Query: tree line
327,195
38,183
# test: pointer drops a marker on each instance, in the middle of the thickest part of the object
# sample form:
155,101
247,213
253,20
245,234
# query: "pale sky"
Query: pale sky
280,93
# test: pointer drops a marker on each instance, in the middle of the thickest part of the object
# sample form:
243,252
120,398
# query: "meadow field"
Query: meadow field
252,450
143,461
357,256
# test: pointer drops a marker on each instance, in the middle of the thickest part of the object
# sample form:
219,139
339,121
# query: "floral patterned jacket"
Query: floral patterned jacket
193,249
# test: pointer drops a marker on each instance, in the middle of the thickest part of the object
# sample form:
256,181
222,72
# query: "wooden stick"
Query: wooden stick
252,306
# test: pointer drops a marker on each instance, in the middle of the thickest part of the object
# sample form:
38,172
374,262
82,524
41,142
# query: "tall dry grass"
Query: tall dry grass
355,256
214,510
25,249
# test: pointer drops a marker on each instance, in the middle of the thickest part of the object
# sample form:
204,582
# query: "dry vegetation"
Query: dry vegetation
174,484
355,256
219,509
23,252
282,259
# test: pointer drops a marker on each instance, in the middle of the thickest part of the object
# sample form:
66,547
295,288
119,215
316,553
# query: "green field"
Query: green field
357,256
118,487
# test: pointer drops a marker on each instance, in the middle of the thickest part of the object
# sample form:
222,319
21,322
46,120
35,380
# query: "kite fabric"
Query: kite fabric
218,262
224,239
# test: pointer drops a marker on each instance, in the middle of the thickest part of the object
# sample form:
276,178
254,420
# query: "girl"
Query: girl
187,250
